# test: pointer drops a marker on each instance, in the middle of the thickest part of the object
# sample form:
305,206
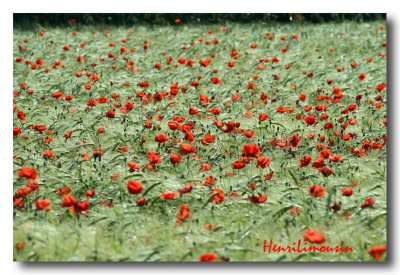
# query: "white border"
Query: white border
181,6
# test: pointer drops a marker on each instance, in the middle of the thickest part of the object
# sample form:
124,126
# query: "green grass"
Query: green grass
126,232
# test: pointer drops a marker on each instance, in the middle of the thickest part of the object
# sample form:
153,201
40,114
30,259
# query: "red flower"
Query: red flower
326,171
369,202
347,192
250,150
110,113
310,120
175,158
263,162
90,193
186,189
43,204
168,195
134,166
316,190
318,163
140,201
187,149
208,257
262,117
238,164
313,236
257,199
161,138
28,172
68,201
377,251
134,187
218,196
80,207
304,161
183,214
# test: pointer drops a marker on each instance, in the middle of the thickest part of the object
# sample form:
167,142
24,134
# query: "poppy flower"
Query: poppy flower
347,192
80,207
326,171
134,166
134,187
205,167
257,199
250,150
110,113
140,202
161,138
263,162
90,193
318,163
369,202
310,120
316,190
68,200
262,117
28,172
175,158
186,189
208,257
183,214
218,196
313,236
238,164
377,251
187,149
168,195
304,161
210,181
43,204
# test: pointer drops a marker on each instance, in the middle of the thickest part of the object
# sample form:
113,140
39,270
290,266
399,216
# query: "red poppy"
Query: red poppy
304,161
183,214
134,166
238,164
316,190
28,172
110,113
208,257
68,200
318,163
168,195
186,189
310,120
134,187
257,199
347,192
262,117
250,150
313,236
218,196
377,251
187,149
326,171
161,138
205,167
210,181
80,207
90,193
43,204
263,162
369,202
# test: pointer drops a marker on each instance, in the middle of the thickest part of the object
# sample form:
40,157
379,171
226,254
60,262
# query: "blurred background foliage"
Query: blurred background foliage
61,19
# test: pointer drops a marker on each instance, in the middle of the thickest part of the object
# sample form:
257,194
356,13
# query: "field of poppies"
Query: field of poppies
200,142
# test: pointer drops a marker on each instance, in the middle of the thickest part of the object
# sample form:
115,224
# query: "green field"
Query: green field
114,228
